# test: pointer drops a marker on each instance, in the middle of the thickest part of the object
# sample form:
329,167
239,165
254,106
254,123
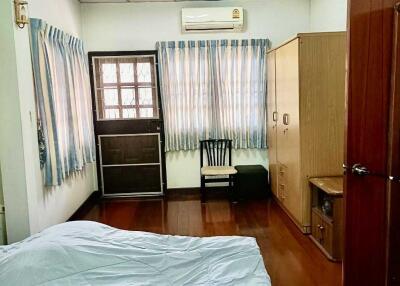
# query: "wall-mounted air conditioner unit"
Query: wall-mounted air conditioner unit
212,19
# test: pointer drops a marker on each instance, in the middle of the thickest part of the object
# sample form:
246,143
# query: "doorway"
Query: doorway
128,123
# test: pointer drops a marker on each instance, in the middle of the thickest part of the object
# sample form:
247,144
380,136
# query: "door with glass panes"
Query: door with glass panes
128,123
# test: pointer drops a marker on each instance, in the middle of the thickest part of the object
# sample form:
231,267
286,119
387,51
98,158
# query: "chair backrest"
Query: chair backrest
216,151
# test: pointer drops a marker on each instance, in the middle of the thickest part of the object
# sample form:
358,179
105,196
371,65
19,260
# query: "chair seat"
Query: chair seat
218,170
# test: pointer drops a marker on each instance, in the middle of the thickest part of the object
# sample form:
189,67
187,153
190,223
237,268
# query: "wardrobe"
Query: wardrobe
306,111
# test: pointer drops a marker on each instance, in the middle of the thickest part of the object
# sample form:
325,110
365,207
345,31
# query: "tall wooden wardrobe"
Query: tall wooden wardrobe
306,103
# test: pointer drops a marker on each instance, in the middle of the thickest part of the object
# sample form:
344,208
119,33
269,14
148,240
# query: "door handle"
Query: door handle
360,170
286,119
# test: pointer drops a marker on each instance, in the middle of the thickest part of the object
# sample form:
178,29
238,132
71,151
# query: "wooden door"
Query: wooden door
367,200
393,272
272,117
287,98
128,123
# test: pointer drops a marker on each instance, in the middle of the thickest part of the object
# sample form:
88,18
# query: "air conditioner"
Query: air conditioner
212,19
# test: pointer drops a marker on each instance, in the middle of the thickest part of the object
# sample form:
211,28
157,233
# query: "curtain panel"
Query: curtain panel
62,90
214,89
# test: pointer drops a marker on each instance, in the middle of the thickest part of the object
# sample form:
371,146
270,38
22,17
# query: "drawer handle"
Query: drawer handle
286,119
275,116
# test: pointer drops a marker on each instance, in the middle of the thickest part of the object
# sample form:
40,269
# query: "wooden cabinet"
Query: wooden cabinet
271,123
327,215
306,85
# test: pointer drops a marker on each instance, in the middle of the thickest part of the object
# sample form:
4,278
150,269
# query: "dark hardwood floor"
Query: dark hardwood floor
290,257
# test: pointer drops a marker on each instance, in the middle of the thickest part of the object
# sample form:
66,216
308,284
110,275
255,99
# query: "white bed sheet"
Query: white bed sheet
89,253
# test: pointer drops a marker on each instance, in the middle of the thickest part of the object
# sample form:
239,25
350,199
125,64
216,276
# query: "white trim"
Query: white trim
130,165
132,195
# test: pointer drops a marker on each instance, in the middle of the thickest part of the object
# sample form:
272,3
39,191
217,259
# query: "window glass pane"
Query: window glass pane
110,97
129,113
146,112
128,97
126,73
112,113
109,73
145,96
144,72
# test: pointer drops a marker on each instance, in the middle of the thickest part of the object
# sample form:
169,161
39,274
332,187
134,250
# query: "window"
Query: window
214,89
125,87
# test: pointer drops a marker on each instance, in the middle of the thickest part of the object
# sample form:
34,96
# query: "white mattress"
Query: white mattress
89,253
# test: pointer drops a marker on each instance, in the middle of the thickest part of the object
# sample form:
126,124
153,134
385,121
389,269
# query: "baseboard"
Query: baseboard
188,194
302,228
86,206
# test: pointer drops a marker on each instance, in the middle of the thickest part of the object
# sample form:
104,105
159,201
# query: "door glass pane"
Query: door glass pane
125,87
145,96
110,97
112,113
109,73
146,112
128,97
129,113
144,72
126,73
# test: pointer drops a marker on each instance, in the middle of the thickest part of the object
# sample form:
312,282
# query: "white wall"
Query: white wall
12,159
328,15
44,206
49,206
138,26
64,14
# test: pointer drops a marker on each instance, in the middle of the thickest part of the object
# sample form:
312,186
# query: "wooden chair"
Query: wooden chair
217,166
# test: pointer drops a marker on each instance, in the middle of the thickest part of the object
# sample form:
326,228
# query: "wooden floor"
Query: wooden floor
290,257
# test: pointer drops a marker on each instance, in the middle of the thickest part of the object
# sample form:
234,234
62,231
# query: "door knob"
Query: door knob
360,170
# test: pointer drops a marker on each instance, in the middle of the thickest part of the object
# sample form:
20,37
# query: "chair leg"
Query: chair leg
203,190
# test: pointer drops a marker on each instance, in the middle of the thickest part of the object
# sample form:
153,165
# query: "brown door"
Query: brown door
128,123
394,161
368,143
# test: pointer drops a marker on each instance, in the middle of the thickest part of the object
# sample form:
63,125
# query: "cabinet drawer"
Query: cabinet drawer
282,174
315,228
282,191
327,236
322,230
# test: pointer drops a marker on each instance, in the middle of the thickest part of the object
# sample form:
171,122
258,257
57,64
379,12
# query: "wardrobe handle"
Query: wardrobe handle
286,119
275,116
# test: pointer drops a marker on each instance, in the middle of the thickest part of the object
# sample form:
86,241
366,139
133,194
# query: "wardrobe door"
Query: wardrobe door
272,117
287,91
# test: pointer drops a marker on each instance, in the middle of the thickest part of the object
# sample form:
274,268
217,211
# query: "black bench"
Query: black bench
251,182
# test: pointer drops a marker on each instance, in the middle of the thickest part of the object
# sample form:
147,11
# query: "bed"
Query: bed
89,253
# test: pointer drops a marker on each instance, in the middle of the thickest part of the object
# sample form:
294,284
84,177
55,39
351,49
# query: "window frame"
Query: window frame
135,85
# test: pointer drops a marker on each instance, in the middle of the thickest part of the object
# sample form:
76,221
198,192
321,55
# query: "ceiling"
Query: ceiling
125,1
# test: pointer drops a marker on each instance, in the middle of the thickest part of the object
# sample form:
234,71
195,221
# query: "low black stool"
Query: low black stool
251,182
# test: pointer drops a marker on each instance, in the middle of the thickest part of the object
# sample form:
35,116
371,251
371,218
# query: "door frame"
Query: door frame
91,56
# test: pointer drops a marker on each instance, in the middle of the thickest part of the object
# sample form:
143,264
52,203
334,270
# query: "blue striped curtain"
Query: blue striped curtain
214,89
62,90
